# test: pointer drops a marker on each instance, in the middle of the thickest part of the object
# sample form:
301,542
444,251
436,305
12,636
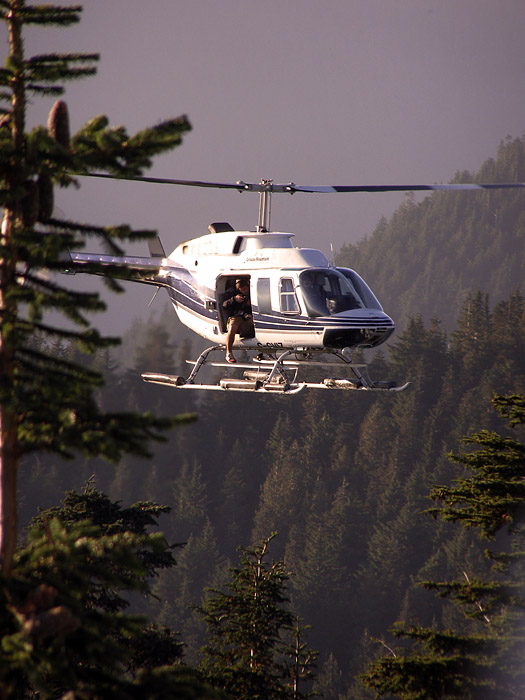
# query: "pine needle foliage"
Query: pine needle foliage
485,659
248,653
46,402
64,629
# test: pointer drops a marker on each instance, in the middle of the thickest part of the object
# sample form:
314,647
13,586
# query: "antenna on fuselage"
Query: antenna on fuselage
265,206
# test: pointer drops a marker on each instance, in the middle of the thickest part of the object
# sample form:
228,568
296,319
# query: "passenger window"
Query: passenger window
289,303
264,299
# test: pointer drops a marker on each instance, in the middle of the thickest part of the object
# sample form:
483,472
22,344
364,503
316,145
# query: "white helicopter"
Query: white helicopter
305,312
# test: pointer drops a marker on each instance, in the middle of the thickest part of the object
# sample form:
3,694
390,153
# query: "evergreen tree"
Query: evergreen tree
199,565
94,506
283,492
235,499
485,657
46,401
300,660
280,506
244,653
508,329
329,684
474,333
190,500
332,547
63,632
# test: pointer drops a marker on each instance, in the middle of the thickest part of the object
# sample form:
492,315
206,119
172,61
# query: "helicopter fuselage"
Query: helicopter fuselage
299,300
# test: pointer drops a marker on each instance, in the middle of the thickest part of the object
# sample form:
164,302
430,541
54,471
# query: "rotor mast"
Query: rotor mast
265,206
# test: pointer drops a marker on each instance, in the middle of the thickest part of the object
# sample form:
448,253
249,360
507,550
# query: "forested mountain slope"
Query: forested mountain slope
431,254
342,476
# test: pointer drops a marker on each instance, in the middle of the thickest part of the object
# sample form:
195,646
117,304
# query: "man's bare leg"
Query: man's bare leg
232,331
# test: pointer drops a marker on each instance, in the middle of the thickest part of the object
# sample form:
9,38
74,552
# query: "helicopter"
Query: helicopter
305,313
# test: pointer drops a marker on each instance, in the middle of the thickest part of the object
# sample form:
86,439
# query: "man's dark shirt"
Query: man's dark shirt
238,308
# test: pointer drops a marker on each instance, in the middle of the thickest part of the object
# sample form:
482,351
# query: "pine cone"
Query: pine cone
58,123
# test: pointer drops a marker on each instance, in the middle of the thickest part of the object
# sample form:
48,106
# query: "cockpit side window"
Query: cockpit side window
287,296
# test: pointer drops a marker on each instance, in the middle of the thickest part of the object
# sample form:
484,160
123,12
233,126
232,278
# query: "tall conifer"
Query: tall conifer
246,652
46,401
485,657
64,627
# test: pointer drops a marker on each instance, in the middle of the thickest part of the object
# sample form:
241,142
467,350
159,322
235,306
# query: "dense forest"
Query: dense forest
342,476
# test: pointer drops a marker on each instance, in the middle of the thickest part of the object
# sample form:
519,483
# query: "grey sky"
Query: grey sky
334,92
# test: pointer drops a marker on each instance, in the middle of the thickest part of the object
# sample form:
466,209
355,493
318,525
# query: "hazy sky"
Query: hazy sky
333,92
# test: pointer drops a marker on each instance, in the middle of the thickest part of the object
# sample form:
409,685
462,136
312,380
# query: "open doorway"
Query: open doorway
226,287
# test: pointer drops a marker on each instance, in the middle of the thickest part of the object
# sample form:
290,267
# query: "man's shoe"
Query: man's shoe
230,357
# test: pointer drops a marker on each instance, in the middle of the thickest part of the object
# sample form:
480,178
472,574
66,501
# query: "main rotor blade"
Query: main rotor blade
404,188
168,181
291,188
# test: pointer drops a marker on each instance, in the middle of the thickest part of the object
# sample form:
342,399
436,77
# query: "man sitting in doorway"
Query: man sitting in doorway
240,319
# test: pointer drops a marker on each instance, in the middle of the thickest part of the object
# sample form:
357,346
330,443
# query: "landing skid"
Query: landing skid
276,375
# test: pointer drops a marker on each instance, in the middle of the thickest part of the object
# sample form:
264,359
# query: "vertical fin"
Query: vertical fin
156,249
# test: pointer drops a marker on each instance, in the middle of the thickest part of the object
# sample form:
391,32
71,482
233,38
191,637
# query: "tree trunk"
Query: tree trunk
8,492
9,453
9,445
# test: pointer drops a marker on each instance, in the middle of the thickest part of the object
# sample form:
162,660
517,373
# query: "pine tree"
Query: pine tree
47,402
332,548
64,632
509,330
235,503
199,565
190,500
329,684
299,660
473,335
246,624
94,506
283,493
484,658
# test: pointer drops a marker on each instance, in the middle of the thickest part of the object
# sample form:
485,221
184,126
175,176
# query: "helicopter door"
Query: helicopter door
224,289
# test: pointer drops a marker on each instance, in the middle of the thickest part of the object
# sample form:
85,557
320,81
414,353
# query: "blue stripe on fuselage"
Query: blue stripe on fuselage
183,292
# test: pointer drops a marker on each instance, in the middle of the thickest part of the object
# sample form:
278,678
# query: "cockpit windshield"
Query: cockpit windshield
364,291
327,292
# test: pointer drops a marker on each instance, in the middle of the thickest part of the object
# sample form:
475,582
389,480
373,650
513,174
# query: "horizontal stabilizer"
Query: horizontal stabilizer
132,262
125,267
